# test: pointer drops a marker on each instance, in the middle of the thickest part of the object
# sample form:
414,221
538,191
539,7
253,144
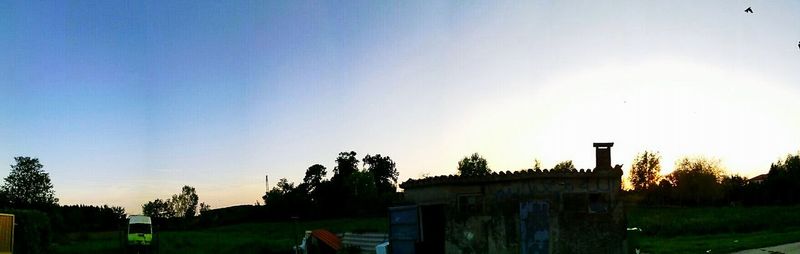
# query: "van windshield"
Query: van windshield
139,228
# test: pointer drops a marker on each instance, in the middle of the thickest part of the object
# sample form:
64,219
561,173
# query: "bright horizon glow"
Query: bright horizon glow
126,102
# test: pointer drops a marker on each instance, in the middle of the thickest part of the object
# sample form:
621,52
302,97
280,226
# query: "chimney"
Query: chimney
603,156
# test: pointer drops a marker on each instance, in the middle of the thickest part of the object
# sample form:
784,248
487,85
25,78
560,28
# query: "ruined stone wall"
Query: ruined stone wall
584,215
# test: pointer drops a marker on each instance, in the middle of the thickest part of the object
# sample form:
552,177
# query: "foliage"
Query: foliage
28,186
346,164
734,188
33,232
158,209
315,174
204,208
384,172
82,218
537,164
783,180
183,205
473,165
564,166
696,180
350,191
645,169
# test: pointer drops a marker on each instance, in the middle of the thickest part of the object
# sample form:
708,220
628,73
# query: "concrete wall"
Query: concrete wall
484,217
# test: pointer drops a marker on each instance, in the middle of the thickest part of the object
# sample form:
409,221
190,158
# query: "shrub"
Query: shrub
32,234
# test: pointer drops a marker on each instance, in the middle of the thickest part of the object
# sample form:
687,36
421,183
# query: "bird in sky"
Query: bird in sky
748,10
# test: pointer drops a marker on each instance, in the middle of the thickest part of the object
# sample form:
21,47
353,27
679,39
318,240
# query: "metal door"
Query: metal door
403,229
534,227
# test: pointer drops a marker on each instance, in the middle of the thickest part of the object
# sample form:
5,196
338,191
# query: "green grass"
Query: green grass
717,243
719,229
665,230
273,237
666,222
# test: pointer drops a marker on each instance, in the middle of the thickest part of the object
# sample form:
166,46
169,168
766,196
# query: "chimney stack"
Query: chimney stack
603,156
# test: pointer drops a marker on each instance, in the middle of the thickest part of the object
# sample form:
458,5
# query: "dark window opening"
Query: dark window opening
598,203
139,228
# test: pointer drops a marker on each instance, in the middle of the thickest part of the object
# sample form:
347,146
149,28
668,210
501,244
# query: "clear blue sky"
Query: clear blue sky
127,101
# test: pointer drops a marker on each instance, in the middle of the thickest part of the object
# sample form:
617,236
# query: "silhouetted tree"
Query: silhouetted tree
734,188
564,166
364,194
696,180
473,165
158,209
314,176
182,205
346,164
27,185
645,169
783,179
75,218
384,172
537,164
660,194
185,203
204,208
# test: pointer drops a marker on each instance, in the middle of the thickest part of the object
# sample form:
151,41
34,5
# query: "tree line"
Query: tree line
28,193
700,181
356,188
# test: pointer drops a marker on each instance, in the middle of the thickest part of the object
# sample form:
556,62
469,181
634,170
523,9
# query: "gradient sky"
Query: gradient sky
127,101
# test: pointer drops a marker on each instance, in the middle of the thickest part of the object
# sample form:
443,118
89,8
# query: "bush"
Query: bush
32,234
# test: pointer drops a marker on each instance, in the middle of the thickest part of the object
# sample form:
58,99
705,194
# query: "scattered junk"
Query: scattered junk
139,234
6,233
530,211
321,241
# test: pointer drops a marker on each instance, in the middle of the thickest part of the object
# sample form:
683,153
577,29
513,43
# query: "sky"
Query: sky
127,101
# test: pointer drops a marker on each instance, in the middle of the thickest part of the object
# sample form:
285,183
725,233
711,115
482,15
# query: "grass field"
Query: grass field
665,230
719,229
275,237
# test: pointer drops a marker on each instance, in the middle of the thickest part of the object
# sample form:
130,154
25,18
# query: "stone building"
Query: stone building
530,211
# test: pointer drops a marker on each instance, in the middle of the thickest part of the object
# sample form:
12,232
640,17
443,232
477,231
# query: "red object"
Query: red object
328,238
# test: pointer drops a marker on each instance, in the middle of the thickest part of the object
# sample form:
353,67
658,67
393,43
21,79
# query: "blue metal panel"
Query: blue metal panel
534,227
403,229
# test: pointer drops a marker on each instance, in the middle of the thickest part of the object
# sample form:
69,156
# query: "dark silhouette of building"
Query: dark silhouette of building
529,211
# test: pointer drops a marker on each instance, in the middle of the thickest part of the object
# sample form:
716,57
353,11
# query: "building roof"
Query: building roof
760,177
139,219
328,238
505,176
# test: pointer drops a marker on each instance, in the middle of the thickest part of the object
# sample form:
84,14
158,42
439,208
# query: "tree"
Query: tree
314,176
645,169
696,180
564,166
180,205
734,188
278,193
27,185
537,164
783,179
185,203
346,164
384,172
205,208
158,209
473,165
